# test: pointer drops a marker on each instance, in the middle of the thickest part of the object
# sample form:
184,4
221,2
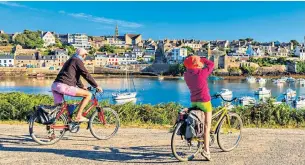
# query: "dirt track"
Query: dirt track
139,146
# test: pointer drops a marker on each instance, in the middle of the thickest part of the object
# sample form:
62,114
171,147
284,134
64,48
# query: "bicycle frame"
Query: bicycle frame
94,104
223,112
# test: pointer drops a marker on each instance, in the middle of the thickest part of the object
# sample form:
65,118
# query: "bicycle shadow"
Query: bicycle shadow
139,154
13,139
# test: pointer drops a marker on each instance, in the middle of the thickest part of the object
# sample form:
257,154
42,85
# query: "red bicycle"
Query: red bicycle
103,123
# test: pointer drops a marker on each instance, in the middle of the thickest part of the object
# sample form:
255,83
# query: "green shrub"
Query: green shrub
16,106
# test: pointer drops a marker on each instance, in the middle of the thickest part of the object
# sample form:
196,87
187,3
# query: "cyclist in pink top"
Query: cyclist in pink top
196,78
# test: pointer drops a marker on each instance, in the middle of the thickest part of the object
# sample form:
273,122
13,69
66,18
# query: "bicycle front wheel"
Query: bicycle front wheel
229,133
183,149
104,123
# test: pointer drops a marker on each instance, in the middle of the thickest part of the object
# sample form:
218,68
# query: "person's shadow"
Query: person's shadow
137,154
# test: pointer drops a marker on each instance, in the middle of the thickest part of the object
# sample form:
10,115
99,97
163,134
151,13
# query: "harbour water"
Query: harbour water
154,91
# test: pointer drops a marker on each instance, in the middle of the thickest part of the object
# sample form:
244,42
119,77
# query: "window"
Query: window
0,61
4,61
10,61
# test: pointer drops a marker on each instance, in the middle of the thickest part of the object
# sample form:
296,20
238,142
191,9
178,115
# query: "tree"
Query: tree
4,39
233,70
295,43
249,39
71,50
248,69
189,49
300,67
152,59
58,43
92,51
107,48
29,39
47,52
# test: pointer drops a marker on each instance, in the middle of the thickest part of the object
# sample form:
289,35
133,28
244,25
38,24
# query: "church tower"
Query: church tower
116,33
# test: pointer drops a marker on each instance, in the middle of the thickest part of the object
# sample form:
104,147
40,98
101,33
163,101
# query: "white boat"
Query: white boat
299,102
251,79
263,98
279,81
161,77
290,79
225,92
284,78
302,81
120,102
290,94
128,90
263,91
261,81
247,100
124,96
181,78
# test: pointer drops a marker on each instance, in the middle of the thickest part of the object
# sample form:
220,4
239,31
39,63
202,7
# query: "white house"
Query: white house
126,60
254,51
101,59
178,54
62,56
120,60
48,39
118,41
79,40
148,57
6,60
300,52
267,49
137,51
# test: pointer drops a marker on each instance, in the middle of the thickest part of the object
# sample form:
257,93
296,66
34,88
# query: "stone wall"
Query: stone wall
272,69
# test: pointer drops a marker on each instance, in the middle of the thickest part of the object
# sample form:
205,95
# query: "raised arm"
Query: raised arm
209,66
85,74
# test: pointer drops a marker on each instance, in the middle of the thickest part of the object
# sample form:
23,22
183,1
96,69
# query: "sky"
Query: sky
263,21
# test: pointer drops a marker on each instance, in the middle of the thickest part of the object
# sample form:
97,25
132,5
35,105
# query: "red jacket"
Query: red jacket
197,82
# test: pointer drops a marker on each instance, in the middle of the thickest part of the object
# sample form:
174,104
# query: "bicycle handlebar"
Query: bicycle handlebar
94,90
219,95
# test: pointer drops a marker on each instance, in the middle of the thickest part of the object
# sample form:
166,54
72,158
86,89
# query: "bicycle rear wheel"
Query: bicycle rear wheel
182,149
104,123
44,134
229,133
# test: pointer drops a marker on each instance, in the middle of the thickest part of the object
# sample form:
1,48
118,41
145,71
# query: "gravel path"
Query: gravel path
148,146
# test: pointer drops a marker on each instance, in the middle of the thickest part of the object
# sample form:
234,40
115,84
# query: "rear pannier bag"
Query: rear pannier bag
46,114
194,125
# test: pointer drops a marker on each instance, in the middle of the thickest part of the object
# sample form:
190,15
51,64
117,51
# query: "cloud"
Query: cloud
12,4
103,20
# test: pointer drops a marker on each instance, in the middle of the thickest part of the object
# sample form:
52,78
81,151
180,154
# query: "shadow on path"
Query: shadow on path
139,154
